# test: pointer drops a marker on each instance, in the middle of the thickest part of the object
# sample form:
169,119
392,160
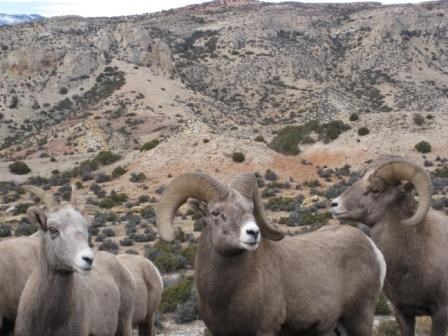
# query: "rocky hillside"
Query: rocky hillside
74,85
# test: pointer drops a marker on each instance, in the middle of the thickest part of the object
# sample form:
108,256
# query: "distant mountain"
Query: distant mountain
7,19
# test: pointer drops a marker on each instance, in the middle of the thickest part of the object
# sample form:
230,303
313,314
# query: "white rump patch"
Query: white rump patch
381,262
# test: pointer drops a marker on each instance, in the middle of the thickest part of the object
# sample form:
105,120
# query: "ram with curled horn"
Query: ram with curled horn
412,236
252,280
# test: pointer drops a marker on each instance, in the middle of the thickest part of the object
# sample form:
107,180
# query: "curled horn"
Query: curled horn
246,185
399,169
198,185
43,195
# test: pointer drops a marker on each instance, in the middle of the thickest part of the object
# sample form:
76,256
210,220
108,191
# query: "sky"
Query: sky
113,7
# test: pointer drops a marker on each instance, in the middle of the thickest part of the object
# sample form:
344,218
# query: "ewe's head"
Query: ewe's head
234,213
370,198
64,234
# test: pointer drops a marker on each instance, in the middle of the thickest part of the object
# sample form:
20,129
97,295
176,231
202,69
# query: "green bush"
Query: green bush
382,308
189,253
118,171
423,147
388,328
354,117
287,139
259,138
363,131
238,157
19,168
149,145
441,172
5,230
107,157
113,199
63,90
168,262
176,294
418,119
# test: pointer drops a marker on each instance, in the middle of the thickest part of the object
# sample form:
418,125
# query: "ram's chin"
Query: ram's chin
249,246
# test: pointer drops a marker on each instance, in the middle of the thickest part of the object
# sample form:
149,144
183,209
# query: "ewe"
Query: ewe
73,292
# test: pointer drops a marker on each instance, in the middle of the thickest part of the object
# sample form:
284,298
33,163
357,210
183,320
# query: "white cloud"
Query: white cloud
115,7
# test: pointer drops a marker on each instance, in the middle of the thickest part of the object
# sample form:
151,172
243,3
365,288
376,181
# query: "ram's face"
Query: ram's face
366,201
232,224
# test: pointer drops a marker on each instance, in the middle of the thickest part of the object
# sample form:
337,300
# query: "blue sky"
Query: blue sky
109,7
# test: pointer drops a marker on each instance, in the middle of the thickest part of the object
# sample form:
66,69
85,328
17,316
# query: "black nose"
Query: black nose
334,204
88,260
253,233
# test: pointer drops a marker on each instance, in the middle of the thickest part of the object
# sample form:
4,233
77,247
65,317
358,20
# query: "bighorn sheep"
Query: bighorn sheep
249,284
413,238
18,258
148,294
65,294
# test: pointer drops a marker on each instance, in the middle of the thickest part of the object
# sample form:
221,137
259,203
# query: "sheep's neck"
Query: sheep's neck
54,291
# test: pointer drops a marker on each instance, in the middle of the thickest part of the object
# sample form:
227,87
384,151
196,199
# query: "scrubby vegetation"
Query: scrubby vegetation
19,168
423,147
288,139
238,157
149,145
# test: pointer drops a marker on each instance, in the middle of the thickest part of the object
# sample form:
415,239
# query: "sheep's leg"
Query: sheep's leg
406,323
146,329
358,321
440,322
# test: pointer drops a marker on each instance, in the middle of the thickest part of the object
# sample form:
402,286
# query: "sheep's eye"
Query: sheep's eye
216,213
53,232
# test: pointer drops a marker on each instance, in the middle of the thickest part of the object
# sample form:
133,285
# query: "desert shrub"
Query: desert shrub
113,199
19,168
108,232
168,262
189,253
198,225
388,328
382,308
137,178
281,204
418,119
24,228
5,230
148,213
287,139
176,294
149,145
259,138
107,157
270,175
100,238
110,246
127,242
102,177
363,131
63,90
238,157
118,171
64,192
442,172
354,117
187,311
423,147
21,208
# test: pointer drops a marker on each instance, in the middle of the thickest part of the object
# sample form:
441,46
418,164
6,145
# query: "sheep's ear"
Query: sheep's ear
37,217
198,207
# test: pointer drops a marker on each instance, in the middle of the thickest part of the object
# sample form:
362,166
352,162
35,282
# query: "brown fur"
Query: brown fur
58,300
304,284
148,293
17,261
416,256
253,283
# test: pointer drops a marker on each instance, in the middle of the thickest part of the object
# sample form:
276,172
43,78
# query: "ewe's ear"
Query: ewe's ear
37,217
198,207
